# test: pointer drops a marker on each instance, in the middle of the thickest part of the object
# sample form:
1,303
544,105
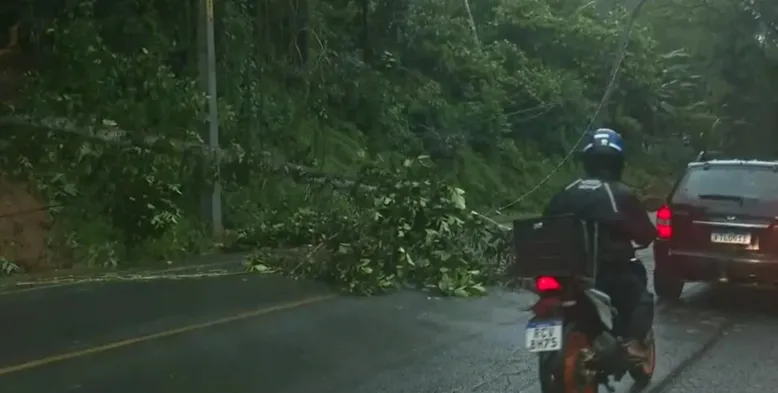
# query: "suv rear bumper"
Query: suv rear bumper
715,267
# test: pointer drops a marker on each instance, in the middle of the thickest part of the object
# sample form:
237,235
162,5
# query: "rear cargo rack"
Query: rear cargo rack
706,156
554,246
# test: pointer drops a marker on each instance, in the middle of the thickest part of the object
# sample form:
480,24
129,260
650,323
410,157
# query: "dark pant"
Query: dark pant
626,284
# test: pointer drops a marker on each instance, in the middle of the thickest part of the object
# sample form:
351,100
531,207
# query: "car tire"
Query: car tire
668,287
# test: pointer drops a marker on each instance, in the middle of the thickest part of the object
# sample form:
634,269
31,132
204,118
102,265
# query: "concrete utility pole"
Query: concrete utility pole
212,195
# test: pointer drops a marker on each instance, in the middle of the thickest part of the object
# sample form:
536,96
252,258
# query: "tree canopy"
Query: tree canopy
416,104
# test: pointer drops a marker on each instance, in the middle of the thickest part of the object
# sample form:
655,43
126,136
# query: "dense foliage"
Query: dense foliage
416,103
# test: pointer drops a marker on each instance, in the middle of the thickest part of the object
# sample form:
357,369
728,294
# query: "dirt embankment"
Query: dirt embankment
24,222
24,228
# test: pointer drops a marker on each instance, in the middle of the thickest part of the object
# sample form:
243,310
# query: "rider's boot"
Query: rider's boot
636,350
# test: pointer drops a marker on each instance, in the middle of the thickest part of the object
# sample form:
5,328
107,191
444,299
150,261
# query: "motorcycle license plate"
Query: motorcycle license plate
544,336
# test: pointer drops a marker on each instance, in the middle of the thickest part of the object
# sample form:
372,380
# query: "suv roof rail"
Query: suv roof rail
705,155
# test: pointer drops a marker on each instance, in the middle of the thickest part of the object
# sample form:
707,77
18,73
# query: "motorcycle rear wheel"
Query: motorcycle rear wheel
561,372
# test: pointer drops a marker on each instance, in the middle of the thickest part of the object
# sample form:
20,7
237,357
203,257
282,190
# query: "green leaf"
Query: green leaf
461,292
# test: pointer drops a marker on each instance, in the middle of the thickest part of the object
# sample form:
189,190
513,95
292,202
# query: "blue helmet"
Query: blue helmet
603,154
604,139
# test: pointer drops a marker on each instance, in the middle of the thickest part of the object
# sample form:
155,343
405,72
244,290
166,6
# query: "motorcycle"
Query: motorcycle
572,327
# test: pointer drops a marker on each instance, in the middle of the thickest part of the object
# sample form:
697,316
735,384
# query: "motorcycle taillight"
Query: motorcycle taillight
547,284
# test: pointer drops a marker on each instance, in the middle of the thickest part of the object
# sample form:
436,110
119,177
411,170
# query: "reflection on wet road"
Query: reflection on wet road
403,343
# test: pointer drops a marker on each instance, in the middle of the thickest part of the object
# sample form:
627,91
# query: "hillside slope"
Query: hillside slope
401,96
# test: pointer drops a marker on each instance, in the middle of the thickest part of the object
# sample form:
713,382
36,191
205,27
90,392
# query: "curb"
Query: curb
225,265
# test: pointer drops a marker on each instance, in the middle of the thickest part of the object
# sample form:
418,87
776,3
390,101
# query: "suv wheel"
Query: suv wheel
668,287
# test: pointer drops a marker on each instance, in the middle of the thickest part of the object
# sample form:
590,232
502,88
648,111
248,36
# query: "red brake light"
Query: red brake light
547,284
664,225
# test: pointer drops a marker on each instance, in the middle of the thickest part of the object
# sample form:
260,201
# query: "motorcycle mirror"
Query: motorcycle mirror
653,203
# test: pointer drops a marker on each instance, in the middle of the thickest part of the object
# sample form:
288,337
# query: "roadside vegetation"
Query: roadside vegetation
359,136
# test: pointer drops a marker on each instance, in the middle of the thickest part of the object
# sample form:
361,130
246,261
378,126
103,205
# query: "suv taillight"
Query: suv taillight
664,222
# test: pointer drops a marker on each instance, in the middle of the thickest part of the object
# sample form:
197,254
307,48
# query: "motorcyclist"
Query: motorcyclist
600,196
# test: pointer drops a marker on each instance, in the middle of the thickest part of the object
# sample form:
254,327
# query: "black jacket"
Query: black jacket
621,215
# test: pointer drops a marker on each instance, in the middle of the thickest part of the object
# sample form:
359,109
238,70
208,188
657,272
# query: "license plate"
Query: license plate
730,238
543,336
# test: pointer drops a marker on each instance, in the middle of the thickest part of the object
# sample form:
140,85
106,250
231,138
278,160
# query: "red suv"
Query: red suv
718,225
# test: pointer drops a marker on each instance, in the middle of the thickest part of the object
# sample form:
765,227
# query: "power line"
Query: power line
608,89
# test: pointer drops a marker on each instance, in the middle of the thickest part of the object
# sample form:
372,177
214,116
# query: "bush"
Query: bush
402,229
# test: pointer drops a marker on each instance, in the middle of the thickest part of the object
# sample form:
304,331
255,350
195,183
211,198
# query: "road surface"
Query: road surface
250,333
745,359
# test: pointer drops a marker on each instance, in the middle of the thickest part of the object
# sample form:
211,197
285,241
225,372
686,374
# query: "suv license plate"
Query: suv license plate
544,336
730,238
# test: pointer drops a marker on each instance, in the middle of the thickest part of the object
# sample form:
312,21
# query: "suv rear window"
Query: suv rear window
735,180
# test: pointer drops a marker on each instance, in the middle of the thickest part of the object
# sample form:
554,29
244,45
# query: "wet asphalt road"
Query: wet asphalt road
405,342
745,359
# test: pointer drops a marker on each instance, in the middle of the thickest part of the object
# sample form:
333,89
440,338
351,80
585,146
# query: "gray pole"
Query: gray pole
208,67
